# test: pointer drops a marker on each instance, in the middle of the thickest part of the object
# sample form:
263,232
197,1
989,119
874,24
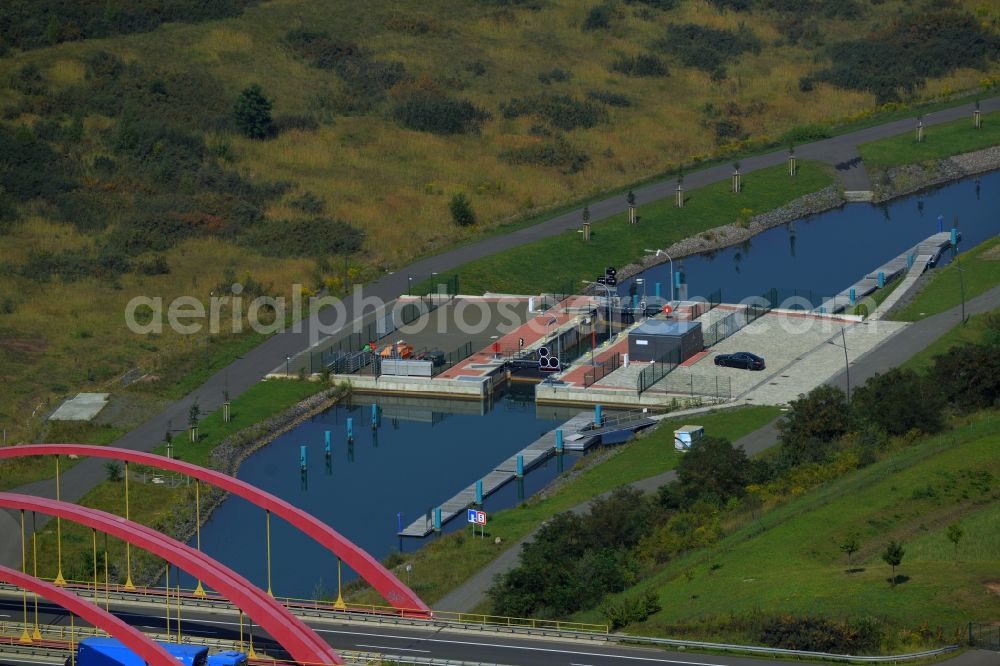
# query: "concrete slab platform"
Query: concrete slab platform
83,407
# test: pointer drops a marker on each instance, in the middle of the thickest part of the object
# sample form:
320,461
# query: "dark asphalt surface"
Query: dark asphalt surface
253,366
436,643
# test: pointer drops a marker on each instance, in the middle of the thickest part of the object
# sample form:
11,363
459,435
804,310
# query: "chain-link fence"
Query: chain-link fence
657,370
984,636
601,370
709,386
733,322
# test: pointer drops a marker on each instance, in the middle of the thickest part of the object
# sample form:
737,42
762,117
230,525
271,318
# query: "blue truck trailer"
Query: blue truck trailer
100,651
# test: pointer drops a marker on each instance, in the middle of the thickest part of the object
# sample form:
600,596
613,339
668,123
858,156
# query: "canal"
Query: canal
424,452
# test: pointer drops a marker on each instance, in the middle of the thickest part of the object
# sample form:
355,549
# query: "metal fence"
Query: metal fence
601,370
714,386
793,299
454,357
714,299
984,636
733,322
657,370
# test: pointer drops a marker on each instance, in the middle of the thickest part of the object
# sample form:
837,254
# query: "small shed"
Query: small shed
660,339
685,436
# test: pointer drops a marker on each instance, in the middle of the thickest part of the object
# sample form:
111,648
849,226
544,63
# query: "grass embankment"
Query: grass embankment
973,332
158,505
787,560
871,304
943,291
567,259
447,562
940,141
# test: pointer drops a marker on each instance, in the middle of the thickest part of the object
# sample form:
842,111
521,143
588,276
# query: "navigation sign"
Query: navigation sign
480,517
472,516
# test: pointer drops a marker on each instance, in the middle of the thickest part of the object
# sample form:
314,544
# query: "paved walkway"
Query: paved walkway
250,368
914,338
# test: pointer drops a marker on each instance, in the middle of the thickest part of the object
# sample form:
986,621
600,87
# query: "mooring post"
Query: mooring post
658,287
374,415
350,429
559,440
598,417
302,457
520,466
437,519
954,237
326,443
881,279
854,296
479,492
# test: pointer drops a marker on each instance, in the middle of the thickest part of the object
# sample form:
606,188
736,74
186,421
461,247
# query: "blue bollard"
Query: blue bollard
437,519
881,279
326,443
399,521
520,466
598,417
854,296
677,279
954,236
940,223
909,261
302,457
350,429
479,492
658,286
635,301
559,440
822,310
374,415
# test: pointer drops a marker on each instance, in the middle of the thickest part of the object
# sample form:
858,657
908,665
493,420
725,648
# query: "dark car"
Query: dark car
744,360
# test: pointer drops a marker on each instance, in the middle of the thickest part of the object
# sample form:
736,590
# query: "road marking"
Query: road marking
383,647
524,647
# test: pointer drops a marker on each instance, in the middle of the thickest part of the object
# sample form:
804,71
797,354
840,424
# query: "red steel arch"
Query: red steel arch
151,652
383,580
302,643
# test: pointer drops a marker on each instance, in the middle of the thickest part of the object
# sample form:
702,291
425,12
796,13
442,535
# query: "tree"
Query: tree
850,545
586,214
461,211
893,556
193,413
899,401
954,534
630,198
253,113
712,470
813,421
113,470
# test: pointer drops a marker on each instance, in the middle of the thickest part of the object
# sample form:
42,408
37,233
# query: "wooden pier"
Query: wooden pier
579,434
920,256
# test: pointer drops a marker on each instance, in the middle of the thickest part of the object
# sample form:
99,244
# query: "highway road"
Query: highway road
247,370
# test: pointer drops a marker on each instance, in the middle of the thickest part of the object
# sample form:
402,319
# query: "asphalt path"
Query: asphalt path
434,642
245,371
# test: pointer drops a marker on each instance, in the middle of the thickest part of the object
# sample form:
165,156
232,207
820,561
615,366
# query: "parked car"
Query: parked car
744,360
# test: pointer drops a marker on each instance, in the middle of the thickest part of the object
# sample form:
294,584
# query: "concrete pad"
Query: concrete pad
84,407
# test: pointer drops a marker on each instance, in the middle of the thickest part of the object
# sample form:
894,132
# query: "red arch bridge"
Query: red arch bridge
301,643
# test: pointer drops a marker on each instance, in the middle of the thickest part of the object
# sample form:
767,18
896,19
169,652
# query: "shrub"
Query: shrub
461,211
253,113
899,401
309,203
630,609
644,64
609,98
318,48
598,18
706,48
665,5
902,55
315,237
556,153
427,111
557,75
294,122
562,111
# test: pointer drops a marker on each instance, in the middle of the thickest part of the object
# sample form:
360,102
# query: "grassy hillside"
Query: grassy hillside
129,173
788,560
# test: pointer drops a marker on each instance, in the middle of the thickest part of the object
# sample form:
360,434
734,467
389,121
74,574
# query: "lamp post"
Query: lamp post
288,360
847,365
607,289
658,253
409,285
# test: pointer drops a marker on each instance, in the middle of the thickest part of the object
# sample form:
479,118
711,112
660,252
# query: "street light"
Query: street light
961,273
847,365
658,253
409,285
608,290
288,359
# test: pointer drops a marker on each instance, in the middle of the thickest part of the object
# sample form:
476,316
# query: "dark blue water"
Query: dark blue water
827,253
410,464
